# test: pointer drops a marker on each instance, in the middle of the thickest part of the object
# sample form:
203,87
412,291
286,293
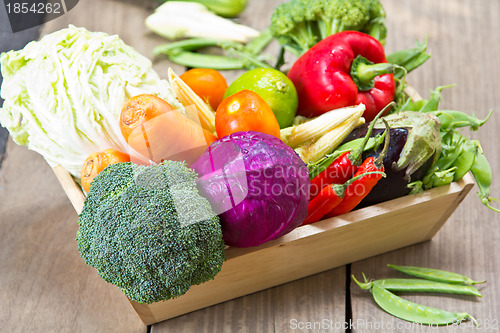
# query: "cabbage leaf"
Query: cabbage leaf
64,94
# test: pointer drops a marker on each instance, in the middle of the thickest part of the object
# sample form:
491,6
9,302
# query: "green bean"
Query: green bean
481,170
435,274
420,285
414,312
464,161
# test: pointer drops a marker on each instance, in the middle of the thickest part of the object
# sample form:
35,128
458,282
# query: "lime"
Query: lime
274,87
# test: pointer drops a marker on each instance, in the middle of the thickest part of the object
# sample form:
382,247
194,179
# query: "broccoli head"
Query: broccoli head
299,24
148,231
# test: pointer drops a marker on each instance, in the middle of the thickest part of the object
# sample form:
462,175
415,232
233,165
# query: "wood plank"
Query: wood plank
46,286
11,41
463,51
280,309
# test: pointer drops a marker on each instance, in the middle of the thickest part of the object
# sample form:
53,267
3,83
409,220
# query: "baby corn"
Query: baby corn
312,152
188,97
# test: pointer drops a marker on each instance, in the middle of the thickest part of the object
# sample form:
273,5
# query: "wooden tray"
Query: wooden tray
308,249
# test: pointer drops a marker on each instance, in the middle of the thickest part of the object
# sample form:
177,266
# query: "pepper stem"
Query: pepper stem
356,156
363,71
379,161
340,188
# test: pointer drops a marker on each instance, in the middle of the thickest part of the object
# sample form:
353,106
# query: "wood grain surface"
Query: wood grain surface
463,50
46,287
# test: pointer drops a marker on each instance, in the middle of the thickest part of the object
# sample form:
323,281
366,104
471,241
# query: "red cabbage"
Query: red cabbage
257,185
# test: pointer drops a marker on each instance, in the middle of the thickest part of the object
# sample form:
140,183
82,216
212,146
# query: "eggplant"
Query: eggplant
415,144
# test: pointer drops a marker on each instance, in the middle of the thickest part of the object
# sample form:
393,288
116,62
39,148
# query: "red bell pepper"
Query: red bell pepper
344,69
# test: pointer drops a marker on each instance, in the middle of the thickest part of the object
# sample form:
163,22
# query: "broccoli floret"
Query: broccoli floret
299,24
148,231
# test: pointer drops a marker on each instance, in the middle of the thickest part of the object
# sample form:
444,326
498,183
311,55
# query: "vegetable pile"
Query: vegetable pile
176,170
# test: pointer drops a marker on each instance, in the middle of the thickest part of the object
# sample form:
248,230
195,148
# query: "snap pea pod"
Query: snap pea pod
409,58
218,62
414,312
190,44
420,285
435,274
444,177
481,171
451,119
433,102
442,172
464,161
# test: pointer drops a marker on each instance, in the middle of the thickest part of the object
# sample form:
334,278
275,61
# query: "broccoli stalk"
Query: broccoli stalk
299,24
147,230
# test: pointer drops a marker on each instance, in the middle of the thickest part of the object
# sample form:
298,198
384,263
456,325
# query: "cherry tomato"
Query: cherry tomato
245,111
140,109
96,162
207,83
155,130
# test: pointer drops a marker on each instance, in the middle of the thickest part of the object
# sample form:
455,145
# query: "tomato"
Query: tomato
245,111
155,130
96,162
140,109
207,83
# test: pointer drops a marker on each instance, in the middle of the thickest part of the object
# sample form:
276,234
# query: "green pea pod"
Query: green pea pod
218,62
464,161
451,119
444,177
259,43
435,274
409,58
433,102
416,106
481,170
414,312
440,173
190,44
420,285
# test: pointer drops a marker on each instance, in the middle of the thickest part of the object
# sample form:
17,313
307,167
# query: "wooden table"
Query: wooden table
46,287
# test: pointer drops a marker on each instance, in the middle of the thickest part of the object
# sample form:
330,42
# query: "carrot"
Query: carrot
96,162
154,129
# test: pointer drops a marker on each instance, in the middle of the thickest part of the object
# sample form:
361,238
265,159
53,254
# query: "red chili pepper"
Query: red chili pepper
338,172
345,165
346,68
329,198
359,189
